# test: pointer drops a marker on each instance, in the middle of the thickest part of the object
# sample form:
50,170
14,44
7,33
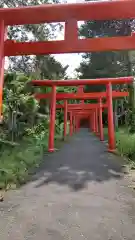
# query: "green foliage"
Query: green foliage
131,107
15,164
24,132
20,107
25,119
104,64
125,143
132,122
18,162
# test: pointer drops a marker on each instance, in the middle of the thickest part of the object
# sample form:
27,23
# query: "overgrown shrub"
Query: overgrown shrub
24,132
17,162
125,143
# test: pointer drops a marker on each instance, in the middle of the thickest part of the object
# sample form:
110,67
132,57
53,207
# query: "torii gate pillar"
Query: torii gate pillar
111,131
65,118
2,38
101,120
52,120
96,121
71,123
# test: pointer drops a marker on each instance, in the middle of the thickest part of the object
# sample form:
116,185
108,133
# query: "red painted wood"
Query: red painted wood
65,118
71,123
96,121
101,131
111,131
61,96
80,106
80,89
71,31
102,81
52,120
107,10
81,45
3,36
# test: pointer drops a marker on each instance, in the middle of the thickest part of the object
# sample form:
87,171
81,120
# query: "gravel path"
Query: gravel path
79,193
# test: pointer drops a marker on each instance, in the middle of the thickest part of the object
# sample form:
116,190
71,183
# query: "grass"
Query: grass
125,144
18,161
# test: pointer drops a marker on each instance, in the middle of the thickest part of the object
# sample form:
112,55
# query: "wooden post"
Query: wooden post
52,120
96,121
2,38
74,123
71,123
90,123
111,133
94,124
65,119
101,121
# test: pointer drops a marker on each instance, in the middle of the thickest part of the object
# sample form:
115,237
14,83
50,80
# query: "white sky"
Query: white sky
73,60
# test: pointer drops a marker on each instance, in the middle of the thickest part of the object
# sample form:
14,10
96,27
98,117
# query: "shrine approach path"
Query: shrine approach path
80,192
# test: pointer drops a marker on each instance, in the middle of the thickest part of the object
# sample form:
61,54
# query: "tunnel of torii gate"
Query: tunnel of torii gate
70,14
91,111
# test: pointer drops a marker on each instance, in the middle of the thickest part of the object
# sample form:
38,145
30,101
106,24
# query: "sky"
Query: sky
72,60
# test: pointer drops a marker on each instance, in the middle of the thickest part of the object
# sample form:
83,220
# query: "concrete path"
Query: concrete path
79,193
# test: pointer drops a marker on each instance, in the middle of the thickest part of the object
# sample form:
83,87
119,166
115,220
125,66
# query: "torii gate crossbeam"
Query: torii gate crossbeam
81,96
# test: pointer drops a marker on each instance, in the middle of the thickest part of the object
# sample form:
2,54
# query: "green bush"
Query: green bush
125,143
25,130
16,163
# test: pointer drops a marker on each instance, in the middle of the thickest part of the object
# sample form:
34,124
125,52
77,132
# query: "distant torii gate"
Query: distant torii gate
85,114
109,95
70,14
75,108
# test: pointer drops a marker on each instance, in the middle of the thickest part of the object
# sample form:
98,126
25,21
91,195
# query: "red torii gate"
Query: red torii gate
70,14
82,114
77,108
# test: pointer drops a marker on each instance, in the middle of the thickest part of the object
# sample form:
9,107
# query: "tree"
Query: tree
35,67
19,108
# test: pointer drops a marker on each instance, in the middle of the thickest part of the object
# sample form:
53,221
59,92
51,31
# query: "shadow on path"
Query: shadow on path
80,161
